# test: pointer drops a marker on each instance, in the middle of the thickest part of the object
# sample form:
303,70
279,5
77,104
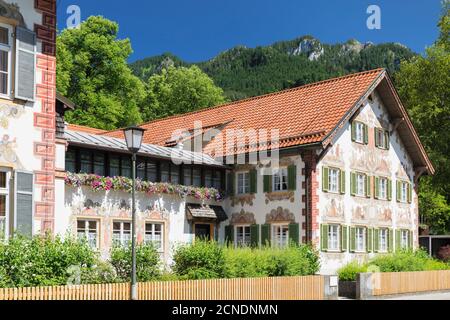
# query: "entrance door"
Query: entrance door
203,231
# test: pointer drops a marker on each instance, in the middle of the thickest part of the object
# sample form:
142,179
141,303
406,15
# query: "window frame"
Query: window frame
282,227
358,249
122,242
246,236
380,184
246,182
338,174
86,230
381,232
160,250
404,239
364,184
6,192
380,137
404,191
279,173
336,241
8,48
362,127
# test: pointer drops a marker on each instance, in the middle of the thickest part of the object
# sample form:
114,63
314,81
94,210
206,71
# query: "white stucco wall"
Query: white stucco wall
350,156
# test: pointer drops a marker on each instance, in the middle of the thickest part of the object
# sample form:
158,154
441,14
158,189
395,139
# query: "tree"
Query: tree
93,73
423,85
179,90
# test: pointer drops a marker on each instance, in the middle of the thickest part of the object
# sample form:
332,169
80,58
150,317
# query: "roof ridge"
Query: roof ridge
257,97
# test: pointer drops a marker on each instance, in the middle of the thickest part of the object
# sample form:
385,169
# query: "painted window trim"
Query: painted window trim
98,233
10,48
122,222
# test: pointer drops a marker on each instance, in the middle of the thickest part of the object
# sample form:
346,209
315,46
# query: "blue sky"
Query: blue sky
197,30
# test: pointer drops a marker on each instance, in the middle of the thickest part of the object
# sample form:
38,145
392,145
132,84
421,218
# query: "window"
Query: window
280,236
333,180
383,186
217,179
187,175
383,240
165,174
280,179
87,230
359,135
333,237
404,240
126,167
4,202
71,161
154,235
243,236
243,182
99,163
403,191
152,171
140,169
121,233
360,239
382,138
114,166
5,60
174,174
360,184
85,162
197,177
208,178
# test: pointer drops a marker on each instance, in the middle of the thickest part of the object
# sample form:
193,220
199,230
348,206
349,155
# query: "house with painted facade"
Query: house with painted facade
334,163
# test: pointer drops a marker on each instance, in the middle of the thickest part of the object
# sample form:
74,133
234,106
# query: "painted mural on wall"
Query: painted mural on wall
8,144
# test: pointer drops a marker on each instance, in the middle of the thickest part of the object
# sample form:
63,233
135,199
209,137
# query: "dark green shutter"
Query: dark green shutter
294,233
324,237
377,140
391,240
399,191
368,186
369,239
344,238
342,181
254,235
24,204
231,186
387,138
25,60
253,181
411,240
398,234
352,239
366,134
325,179
376,240
389,189
267,183
229,235
353,131
265,235
353,183
292,178
376,194
409,193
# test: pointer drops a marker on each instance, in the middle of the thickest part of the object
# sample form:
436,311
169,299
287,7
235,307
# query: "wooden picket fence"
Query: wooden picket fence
282,288
408,282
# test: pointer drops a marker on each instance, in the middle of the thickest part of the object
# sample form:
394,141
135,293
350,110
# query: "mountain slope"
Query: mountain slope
243,72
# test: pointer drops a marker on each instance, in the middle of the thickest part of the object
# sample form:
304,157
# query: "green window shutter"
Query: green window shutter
410,238
254,235
324,237
294,234
229,234
377,140
409,193
389,189
376,240
391,240
353,131
342,182
267,184
368,186
292,178
352,183
387,139
231,186
398,234
352,239
344,237
376,193
369,239
253,181
399,188
325,179
265,235
366,134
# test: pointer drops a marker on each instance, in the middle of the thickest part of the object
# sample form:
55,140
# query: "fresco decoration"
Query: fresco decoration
385,215
280,215
279,196
9,112
12,11
242,199
243,218
334,209
8,153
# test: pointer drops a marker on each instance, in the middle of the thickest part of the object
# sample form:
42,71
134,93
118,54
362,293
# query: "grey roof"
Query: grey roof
198,211
115,144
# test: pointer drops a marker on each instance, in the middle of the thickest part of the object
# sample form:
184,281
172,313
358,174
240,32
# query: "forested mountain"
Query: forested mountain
243,72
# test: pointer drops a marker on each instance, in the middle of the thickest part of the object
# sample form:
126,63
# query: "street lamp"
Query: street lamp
133,138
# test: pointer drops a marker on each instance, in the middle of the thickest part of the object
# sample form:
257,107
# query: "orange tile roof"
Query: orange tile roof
75,127
302,115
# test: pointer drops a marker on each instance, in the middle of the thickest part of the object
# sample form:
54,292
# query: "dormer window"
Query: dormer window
359,132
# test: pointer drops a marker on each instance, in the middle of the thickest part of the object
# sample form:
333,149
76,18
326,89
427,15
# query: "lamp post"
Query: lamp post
133,138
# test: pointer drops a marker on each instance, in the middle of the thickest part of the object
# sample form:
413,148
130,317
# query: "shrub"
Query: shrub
350,270
148,264
42,261
444,253
102,272
201,260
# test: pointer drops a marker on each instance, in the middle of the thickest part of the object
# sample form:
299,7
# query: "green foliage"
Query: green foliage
93,72
42,261
350,270
147,262
423,85
201,260
179,90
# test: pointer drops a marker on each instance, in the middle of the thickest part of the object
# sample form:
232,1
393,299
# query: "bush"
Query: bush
148,264
201,260
42,261
444,253
350,270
